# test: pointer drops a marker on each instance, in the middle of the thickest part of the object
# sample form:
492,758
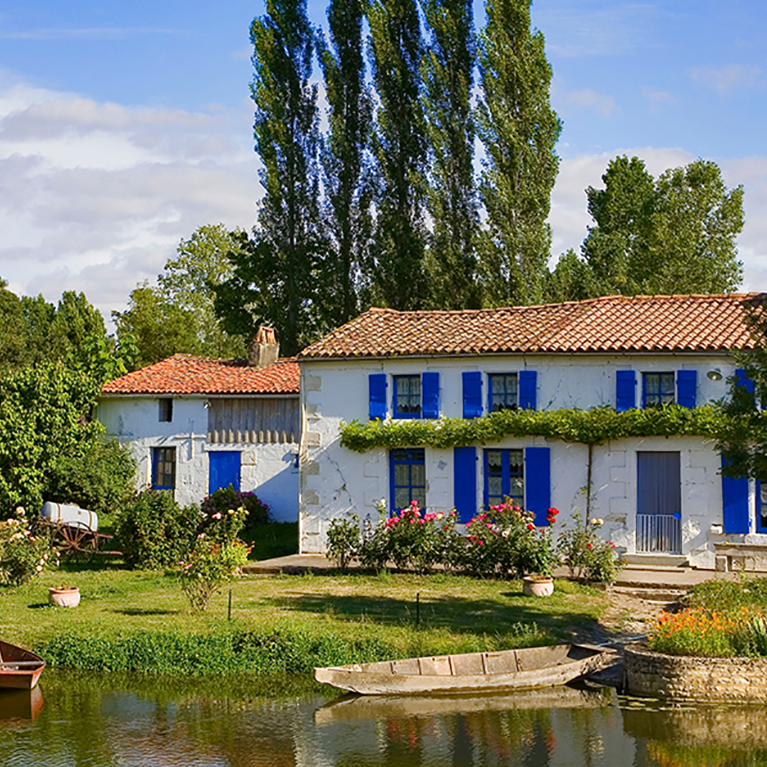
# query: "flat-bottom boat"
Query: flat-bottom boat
471,672
19,668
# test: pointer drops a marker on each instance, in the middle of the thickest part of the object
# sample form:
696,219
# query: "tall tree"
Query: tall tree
675,234
346,163
276,277
400,148
519,130
447,71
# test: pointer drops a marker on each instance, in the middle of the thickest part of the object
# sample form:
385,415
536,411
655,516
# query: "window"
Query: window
658,389
761,507
166,409
163,468
504,477
407,396
408,477
503,391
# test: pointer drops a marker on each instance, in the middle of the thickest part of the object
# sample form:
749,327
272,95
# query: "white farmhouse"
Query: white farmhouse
662,498
197,424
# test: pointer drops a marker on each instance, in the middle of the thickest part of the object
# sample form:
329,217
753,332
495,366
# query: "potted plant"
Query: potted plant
539,556
64,596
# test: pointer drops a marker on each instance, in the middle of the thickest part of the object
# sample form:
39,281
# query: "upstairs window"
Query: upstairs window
166,409
408,477
407,396
504,477
658,389
163,468
504,393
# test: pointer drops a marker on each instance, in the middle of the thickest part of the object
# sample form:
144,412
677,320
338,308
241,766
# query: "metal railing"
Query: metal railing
659,533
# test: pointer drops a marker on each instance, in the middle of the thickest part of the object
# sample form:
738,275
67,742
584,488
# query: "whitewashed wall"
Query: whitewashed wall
336,481
270,470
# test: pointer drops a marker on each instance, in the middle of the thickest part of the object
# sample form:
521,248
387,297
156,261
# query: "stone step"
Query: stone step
646,561
660,595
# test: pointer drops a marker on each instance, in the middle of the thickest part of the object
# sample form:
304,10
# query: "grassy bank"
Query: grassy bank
140,621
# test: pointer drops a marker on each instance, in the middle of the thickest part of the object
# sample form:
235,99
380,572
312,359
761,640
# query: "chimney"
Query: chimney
263,349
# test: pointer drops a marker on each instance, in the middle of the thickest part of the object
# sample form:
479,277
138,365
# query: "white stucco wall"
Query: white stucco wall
335,481
270,470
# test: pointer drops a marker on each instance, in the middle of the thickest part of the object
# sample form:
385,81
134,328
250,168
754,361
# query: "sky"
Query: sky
126,126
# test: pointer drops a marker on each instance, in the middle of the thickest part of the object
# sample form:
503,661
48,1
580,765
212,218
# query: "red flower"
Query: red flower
530,526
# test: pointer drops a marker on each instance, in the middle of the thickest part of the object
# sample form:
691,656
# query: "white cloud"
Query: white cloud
569,218
657,98
588,99
96,196
726,79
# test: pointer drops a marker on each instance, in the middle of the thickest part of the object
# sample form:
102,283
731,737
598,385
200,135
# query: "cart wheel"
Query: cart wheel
76,543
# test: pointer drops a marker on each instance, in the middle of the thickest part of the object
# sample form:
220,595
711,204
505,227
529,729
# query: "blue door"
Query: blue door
659,503
224,470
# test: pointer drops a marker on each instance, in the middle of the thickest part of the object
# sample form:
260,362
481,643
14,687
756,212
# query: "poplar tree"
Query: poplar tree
519,130
400,148
275,276
447,70
346,163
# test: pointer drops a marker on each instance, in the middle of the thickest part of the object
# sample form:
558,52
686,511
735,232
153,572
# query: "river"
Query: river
107,720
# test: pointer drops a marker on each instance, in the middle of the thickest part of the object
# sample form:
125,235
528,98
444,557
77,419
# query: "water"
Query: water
106,720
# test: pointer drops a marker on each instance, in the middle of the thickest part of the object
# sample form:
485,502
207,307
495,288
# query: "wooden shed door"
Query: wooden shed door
224,469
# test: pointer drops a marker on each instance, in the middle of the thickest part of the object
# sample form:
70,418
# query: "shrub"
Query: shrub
23,555
747,591
207,566
154,532
586,554
100,480
343,540
224,526
226,498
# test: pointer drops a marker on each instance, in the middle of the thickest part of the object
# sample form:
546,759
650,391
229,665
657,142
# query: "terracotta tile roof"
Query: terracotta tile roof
187,374
694,323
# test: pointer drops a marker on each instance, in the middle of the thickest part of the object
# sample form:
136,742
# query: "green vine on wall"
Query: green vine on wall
589,427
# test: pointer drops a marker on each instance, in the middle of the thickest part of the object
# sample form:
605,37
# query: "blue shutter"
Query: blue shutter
538,482
430,395
377,387
734,504
465,482
625,390
741,380
527,382
686,385
472,394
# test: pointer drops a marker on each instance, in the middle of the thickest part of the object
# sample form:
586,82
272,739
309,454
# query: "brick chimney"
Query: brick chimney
263,349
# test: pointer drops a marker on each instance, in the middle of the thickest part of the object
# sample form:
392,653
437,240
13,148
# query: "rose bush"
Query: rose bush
586,554
23,554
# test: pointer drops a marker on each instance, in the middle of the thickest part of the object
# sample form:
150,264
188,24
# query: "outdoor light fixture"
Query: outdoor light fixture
714,375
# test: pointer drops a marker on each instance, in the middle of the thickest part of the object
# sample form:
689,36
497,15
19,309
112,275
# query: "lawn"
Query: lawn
141,620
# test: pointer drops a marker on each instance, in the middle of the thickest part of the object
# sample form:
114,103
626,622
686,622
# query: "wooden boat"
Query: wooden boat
19,668
471,672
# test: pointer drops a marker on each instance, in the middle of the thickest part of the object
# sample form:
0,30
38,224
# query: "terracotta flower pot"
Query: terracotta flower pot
538,585
64,597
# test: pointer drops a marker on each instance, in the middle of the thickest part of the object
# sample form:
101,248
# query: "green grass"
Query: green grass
141,620
747,591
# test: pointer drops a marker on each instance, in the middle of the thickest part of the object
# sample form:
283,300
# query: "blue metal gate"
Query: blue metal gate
659,503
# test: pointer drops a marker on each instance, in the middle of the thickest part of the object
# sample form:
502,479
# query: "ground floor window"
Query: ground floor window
163,468
504,477
408,477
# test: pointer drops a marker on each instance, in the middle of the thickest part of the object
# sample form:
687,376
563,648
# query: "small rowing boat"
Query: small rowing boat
19,668
471,672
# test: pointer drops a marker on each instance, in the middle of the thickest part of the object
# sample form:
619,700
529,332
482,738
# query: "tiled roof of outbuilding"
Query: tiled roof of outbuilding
187,374
679,323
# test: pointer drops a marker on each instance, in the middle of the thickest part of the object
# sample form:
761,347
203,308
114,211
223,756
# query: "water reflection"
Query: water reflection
122,721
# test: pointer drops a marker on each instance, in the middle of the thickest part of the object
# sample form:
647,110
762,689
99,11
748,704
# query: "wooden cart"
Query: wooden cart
76,540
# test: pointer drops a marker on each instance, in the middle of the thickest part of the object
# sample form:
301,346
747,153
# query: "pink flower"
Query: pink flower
218,515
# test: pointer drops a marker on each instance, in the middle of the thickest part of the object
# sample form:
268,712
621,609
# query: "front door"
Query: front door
224,469
659,503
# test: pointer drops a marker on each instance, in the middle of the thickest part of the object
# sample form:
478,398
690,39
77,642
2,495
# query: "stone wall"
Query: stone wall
685,677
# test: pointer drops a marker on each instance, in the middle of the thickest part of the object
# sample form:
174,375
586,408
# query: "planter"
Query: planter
64,597
538,585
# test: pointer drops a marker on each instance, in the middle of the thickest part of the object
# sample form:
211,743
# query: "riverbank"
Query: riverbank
141,621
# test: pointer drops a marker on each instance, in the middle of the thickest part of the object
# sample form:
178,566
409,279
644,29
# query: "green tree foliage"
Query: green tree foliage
43,416
13,347
346,164
277,276
400,148
571,280
447,69
675,234
519,130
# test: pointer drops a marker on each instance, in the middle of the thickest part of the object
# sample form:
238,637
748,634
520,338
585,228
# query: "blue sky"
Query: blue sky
125,126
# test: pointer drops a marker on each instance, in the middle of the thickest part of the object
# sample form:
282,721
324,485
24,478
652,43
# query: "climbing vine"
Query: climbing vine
590,427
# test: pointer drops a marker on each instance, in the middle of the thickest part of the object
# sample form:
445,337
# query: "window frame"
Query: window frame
413,456
760,527
660,394
491,393
506,476
398,380
160,456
